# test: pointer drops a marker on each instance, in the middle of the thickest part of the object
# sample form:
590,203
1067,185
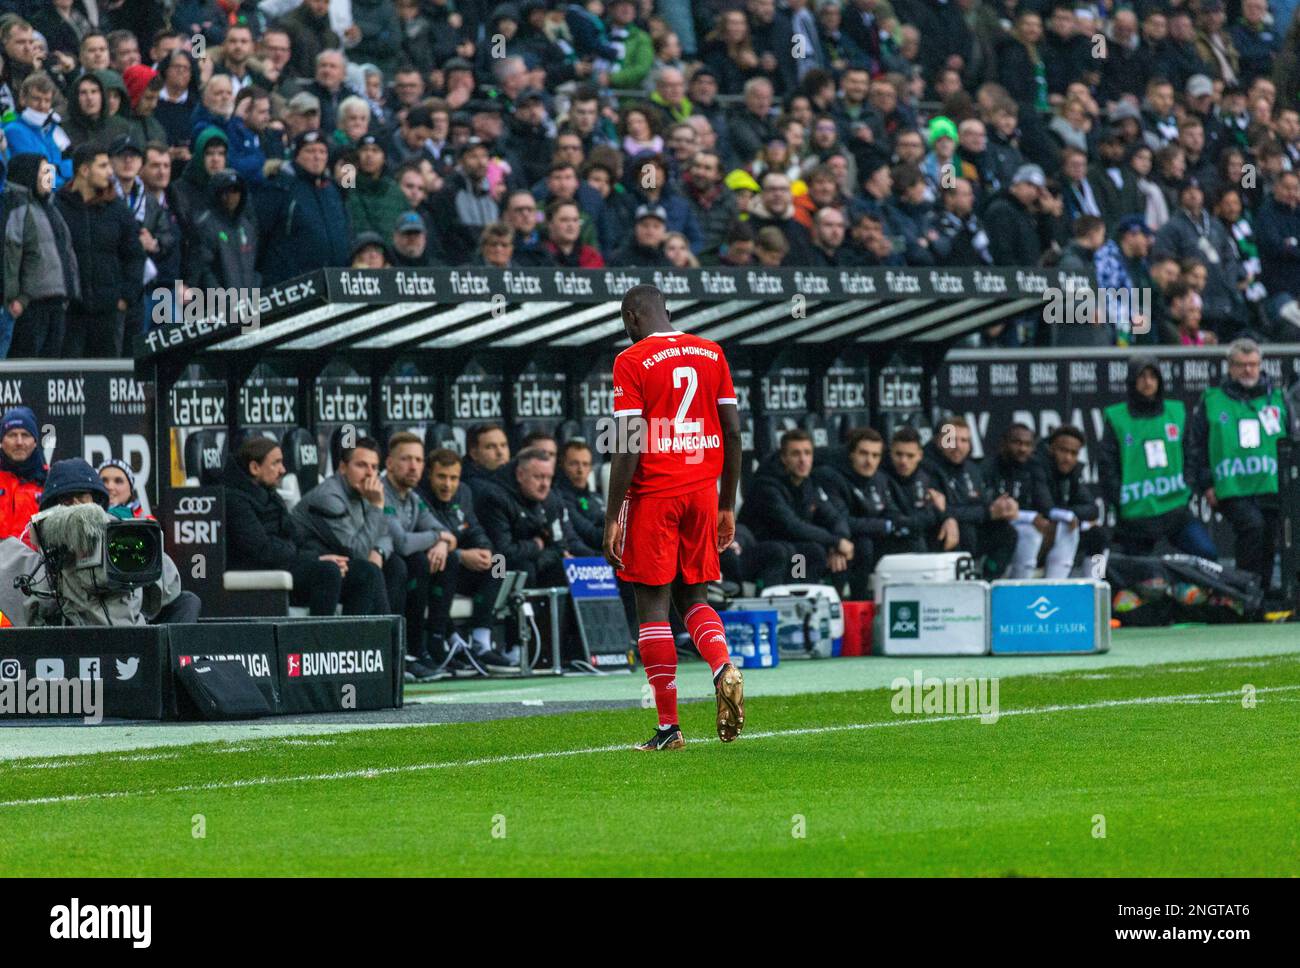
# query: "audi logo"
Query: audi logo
195,505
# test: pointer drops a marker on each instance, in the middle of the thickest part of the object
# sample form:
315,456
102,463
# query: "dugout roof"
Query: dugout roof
390,311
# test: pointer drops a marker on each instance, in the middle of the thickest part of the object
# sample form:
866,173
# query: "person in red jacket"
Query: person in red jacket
22,470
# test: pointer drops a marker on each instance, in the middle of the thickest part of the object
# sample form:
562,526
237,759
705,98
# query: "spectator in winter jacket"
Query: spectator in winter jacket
106,241
1277,228
329,86
262,534
410,244
143,87
302,215
40,266
217,110
119,481
1011,220
157,177
635,50
177,100
308,26
529,524
375,203
957,235
37,130
22,470
646,247
89,120
563,226
156,235
775,208
223,244
711,202
983,522
191,189
1193,231
465,205
796,521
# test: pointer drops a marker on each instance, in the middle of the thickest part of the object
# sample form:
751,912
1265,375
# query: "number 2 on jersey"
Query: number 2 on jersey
687,375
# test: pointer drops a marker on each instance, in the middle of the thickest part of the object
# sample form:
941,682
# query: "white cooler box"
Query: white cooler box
941,566
826,622
933,618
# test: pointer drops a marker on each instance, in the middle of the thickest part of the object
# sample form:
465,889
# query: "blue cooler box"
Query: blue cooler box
751,638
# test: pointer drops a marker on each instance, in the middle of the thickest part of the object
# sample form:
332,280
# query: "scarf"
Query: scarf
47,122
32,469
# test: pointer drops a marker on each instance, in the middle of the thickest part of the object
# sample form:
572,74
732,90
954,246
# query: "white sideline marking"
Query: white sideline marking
372,772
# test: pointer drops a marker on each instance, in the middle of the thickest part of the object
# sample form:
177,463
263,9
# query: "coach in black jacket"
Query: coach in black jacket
802,533
585,504
262,535
529,524
983,520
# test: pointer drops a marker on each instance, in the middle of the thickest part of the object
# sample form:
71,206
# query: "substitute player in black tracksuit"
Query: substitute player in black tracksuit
1075,509
919,495
1015,474
870,501
983,520
803,535
473,560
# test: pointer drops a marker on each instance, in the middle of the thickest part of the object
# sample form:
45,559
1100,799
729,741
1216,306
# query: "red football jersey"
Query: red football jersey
675,382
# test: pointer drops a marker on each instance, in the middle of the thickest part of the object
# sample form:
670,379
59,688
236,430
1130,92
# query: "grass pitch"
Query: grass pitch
1180,775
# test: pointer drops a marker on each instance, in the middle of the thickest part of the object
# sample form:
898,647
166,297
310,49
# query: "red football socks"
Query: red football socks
706,631
659,656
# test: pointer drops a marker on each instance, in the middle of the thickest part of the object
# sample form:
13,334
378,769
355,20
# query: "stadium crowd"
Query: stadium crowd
159,148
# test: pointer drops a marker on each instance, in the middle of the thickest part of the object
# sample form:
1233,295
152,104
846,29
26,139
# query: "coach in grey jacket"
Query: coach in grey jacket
40,268
344,515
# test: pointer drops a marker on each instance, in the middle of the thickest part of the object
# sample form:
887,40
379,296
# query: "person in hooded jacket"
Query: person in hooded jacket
983,521
1014,473
871,503
37,128
802,533
375,203
40,266
303,218
1232,456
89,120
1141,468
22,470
192,190
223,247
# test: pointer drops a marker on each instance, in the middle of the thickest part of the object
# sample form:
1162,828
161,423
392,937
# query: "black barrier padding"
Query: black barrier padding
319,660
130,661
250,644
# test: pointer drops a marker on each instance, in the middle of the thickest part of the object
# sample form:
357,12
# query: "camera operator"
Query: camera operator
72,482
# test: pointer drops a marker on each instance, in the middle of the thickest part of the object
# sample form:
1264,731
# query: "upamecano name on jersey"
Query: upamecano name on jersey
689,444
672,351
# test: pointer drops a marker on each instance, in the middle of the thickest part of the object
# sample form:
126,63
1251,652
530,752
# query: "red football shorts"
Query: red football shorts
665,538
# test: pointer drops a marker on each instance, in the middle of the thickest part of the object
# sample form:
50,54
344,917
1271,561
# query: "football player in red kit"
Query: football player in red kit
665,520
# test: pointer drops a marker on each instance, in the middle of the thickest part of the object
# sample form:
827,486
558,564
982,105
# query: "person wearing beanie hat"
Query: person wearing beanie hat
22,470
120,483
42,271
143,86
319,231
73,481
37,128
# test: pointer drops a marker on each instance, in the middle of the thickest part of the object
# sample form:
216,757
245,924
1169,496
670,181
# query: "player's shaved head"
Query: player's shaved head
644,312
